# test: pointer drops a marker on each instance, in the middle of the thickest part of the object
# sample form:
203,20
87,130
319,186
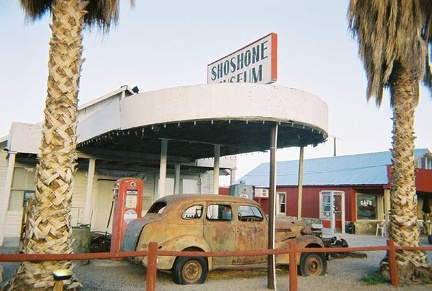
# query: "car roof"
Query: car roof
190,198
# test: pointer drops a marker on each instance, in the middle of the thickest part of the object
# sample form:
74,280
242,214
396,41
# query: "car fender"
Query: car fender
132,233
303,241
181,243
306,240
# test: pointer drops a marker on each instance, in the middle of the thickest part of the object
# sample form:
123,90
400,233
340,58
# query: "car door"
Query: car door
219,231
251,233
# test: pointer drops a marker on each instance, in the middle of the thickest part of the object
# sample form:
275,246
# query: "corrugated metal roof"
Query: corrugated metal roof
359,169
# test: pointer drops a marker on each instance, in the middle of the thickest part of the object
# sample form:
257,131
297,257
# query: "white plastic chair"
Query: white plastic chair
381,226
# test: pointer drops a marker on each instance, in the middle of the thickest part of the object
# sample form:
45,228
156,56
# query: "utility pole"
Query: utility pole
334,145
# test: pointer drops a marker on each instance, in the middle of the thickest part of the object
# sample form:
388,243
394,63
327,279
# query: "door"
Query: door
219,231
102,206
332,210
251,234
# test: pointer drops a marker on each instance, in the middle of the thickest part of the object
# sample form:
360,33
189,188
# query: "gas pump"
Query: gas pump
128,196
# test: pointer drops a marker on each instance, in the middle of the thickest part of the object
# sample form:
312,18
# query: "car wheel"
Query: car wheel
313,264
190,270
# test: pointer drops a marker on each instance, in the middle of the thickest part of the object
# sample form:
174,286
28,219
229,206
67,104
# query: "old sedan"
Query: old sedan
216,223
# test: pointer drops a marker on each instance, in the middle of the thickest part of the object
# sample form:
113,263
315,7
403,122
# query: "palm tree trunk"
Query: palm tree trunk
403,217
50,229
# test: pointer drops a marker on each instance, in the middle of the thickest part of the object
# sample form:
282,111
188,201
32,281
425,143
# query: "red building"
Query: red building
340,192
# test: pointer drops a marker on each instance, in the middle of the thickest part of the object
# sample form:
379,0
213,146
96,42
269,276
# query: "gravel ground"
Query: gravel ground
343,274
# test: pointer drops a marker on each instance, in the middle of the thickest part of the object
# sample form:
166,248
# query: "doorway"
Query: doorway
332,210
102,206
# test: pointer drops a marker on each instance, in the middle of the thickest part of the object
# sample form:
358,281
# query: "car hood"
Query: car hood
282,222
287,228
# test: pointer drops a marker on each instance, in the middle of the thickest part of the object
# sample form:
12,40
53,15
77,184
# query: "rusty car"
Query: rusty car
217,223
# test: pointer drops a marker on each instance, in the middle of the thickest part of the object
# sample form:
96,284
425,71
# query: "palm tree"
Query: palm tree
394,39
50,229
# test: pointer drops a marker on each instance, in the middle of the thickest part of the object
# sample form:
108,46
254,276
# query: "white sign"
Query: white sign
131,199
254,63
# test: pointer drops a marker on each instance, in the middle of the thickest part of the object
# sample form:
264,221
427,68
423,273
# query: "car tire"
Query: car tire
313,264
190,270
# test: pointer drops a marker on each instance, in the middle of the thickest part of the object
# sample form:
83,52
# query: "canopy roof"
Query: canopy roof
238,117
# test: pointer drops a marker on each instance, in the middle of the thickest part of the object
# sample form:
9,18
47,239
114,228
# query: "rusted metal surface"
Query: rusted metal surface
246,239
197,223
130,239
220,235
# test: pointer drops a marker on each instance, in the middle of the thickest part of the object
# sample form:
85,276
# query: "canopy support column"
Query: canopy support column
216,169
162,168
271,270
300,184
89,191
177,179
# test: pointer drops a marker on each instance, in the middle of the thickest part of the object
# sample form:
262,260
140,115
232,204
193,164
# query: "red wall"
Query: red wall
264,202
310,201
423,179
350,205
310,197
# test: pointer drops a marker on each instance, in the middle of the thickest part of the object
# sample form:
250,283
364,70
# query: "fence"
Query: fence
153,253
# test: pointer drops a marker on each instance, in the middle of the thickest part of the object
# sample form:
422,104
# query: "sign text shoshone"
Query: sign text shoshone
254,63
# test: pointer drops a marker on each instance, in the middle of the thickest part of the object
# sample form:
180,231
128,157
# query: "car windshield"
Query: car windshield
248,212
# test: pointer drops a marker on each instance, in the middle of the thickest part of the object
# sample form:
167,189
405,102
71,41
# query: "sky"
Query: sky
164,44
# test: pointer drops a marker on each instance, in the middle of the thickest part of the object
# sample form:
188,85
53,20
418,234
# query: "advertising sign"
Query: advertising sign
254,63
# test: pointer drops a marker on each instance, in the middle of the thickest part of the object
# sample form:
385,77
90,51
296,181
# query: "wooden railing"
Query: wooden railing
153,253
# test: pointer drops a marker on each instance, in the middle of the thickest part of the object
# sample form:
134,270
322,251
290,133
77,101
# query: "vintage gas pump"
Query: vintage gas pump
128,196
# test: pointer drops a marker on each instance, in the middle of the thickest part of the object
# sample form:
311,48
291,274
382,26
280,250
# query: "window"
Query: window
425,163
19,198
325,208
16,200
219,212
193,212
23,179
281,203
366,206
22,188
249,213
158,207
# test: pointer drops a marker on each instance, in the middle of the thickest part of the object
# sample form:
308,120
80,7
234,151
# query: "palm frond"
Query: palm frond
34,9
427,36
101,14
389,32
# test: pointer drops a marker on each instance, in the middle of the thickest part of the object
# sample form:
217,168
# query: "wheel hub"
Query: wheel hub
192,271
